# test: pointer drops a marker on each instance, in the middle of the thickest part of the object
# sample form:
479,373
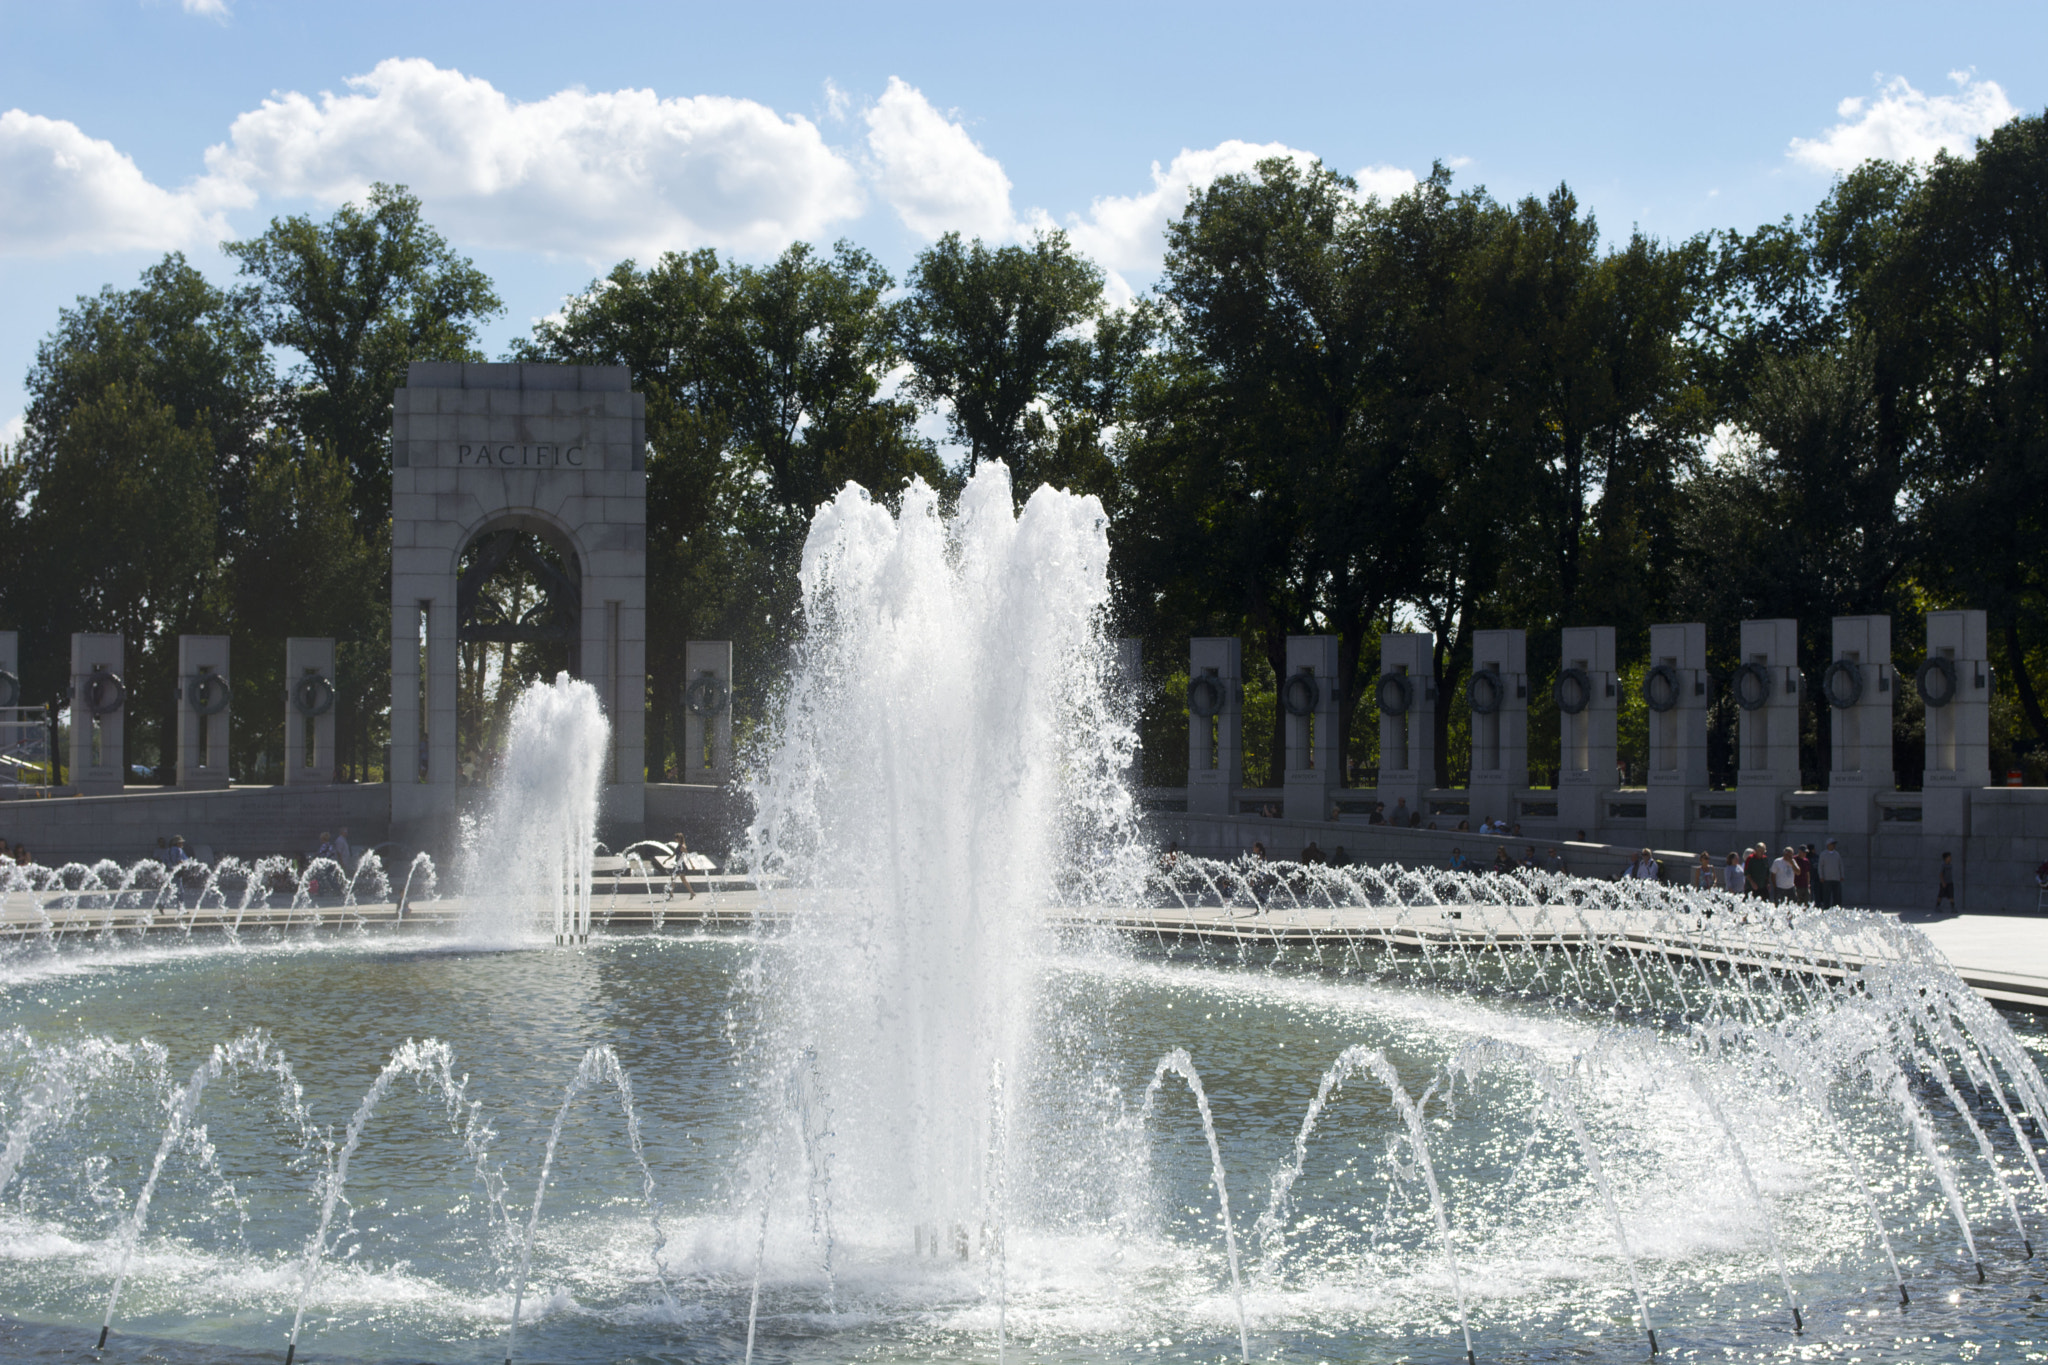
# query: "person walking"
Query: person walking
679,868
1831,875
1946,891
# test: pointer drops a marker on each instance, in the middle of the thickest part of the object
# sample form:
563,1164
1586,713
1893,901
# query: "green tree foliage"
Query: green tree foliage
356,298
996,336
764,396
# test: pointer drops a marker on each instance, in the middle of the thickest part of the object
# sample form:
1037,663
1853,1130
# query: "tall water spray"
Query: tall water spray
529,861
946,749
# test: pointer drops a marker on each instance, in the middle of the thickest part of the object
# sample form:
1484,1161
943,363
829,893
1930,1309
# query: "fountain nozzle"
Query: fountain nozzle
1653,1341
1798,1327
1980,1272
103,1340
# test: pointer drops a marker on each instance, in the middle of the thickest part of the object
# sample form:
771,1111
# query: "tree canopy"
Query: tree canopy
1333,414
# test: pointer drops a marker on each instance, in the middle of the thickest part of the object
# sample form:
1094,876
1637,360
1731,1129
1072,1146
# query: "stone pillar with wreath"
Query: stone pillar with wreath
1497,695
1406,693
707,711
99,707
1586,693
206,695
309,754
1310,696
1858,687
1955,686
1767,688
1215,724
1675,695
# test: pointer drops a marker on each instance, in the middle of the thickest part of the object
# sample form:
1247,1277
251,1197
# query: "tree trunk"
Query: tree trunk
2023,681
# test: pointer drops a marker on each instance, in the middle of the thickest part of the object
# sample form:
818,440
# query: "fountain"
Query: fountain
988,1078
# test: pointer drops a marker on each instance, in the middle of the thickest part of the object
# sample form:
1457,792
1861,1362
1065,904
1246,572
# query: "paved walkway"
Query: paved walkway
2005,957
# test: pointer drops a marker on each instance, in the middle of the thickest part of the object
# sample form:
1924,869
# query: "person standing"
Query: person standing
343,854
1756,873
1831,875
1947,889
1802,874
1703,877
1731,875
1784,876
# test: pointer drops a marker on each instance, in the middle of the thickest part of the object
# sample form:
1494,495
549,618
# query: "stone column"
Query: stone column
309,699
1215,724
1955,684
1407,702
99,701
1498,695
205,702
1859,685
1675,691
1587,709
15,727
1310,696
707,711
1766,687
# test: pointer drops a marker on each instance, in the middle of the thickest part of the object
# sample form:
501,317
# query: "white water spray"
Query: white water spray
946,748
529,867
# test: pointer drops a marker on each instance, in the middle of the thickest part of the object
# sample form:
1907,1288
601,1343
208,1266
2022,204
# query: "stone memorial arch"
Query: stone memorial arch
554,452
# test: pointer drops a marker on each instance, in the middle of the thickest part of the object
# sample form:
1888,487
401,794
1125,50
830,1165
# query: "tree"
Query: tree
119,537
1295,445
997,337
356,298
146,408
309,572
763,390
1965,283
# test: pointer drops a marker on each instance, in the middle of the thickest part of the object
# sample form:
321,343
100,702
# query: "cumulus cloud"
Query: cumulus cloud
1902,124
1127,232
61,190
597,174
931,172
1383,182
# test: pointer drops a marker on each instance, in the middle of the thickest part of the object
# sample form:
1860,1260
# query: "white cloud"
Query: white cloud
1902,124
61,190
208,9
12,428
1127,232
1383,182
597,174
932,173
837,101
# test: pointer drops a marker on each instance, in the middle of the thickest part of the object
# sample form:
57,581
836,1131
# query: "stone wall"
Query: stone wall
248,822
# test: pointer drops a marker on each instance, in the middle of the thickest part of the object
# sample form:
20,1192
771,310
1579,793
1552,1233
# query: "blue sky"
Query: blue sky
549,141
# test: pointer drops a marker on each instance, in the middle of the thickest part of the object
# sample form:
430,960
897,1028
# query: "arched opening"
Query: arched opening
519,617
